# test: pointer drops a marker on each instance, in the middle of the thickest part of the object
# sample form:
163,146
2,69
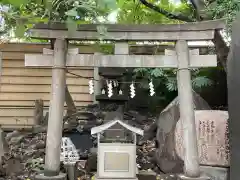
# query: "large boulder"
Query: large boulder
211,131
213,146
166,156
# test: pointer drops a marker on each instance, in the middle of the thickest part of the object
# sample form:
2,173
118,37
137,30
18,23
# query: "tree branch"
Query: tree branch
166,13
198,7
221,47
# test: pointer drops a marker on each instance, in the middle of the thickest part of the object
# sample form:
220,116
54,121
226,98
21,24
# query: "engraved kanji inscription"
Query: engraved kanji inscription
212,134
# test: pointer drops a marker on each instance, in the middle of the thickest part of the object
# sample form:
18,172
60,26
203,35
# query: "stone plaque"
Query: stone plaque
212,134
116,161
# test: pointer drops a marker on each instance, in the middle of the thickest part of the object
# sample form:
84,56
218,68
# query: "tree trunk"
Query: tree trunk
233,66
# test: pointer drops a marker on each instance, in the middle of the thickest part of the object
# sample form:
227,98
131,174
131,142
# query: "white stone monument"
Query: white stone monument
69,153
116,158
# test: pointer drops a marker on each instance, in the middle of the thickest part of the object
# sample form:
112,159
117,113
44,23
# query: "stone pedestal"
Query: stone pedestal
218,173
183,177
70,168
61,176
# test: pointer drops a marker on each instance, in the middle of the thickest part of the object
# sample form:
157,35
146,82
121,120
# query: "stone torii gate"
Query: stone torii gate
59,59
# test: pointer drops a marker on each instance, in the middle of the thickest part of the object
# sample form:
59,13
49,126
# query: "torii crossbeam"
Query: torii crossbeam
149,61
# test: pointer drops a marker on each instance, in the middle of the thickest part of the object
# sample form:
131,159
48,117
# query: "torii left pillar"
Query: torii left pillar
56,110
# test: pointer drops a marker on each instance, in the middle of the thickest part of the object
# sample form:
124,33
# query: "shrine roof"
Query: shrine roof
109,124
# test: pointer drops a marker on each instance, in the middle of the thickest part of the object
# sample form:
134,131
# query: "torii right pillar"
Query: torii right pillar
187,117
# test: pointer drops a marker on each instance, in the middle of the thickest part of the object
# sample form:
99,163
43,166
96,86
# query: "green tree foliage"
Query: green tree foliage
133,12
168,79
137,13
223,9
23,14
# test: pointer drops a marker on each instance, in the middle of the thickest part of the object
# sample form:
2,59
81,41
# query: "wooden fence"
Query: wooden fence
21,86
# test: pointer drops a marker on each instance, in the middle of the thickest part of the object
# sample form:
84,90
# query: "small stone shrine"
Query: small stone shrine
116,156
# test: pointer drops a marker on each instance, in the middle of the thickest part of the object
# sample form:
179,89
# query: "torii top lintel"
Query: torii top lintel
169,32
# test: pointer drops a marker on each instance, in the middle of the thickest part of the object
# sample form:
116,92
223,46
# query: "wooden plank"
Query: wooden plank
191,26
151,61
42,72
120,36
14,55
31,103
13,63
16,120
44,96
17,112
22,111
20,64
23,47
19,127
40,80
40,88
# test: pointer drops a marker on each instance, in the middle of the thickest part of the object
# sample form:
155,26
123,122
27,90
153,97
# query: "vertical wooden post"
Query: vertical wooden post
55,120
1,146
122,48
97,83
71,108
0,69
38,112
187,117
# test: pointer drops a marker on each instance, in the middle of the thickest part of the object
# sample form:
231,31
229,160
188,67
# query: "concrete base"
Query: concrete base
216,173
183,177
61,176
